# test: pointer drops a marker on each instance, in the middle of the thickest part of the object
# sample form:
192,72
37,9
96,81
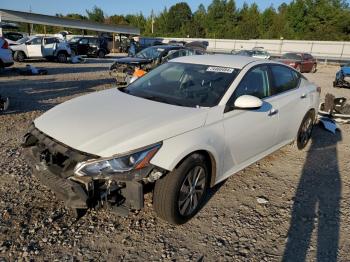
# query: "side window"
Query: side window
93,41
48,41
83,41
254,83
36,41
284,79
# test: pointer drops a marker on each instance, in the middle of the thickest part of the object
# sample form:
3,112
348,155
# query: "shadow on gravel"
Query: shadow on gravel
317,201
42,94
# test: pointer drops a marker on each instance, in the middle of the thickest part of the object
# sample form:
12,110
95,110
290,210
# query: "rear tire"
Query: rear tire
19,56
305,130
179,196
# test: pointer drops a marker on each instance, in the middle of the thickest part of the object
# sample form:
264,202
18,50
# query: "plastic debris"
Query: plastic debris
329,124
262,200
77,59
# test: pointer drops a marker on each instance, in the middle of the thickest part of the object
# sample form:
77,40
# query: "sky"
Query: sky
111,7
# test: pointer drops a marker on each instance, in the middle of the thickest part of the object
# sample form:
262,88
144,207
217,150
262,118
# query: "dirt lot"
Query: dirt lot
307,215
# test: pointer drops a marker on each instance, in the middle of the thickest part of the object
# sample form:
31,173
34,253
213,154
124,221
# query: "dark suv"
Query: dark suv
90,46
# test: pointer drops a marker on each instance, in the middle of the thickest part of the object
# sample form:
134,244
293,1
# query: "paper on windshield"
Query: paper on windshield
220,69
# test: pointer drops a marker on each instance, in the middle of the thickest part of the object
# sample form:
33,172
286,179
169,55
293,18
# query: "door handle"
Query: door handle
273,112
303,96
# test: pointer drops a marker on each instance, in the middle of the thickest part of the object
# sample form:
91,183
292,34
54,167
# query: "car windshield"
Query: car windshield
23,40
292,56
74,40
189,85
150,53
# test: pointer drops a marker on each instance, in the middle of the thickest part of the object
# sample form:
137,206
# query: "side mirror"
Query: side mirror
248,102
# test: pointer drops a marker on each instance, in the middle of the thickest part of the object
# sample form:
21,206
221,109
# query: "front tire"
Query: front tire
179,196
314,68
305,130
62,58
101,54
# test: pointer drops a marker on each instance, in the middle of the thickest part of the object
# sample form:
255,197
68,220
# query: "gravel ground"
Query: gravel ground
292,205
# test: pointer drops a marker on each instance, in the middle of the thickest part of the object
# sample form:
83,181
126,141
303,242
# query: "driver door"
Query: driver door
250,133
34,47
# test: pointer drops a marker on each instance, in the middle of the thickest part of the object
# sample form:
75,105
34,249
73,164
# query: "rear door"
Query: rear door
34,47
49,46
292,98
249,134
307,62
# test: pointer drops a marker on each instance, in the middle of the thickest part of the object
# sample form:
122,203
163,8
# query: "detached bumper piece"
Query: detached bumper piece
53,163
4,103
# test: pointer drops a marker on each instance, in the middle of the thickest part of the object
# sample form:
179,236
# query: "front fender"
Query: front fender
207,138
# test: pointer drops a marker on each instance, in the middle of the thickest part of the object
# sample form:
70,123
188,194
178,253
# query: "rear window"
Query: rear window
292,56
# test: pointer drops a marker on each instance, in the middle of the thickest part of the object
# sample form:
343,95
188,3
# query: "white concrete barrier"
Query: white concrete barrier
321,49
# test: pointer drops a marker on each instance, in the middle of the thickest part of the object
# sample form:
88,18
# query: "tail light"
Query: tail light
5,45
318,89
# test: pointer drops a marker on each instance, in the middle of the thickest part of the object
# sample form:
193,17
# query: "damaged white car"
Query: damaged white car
50,48
184,127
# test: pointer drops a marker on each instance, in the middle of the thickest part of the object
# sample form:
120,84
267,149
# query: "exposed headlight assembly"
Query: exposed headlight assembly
108,166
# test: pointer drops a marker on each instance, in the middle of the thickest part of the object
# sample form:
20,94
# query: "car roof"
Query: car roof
232,61
166,46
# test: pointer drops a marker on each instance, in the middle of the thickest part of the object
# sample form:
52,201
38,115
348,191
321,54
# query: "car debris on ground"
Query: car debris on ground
4,103
30,70
335,108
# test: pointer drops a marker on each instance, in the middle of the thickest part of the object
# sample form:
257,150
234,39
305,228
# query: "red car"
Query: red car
303,62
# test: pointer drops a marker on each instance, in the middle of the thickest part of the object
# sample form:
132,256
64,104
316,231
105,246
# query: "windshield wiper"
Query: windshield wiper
161,99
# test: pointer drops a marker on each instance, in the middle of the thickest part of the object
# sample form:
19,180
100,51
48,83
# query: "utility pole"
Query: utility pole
31,25
152,21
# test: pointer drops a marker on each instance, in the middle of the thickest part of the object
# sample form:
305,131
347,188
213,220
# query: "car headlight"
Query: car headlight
119,164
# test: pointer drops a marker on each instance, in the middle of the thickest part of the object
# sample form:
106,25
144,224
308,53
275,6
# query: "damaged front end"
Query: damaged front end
122,73
86,181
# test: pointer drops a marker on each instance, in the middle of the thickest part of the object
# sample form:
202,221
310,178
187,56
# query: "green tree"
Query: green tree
96,14
178,17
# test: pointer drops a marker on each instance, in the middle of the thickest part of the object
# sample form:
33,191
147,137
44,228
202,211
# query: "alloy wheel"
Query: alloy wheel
191,191
305,132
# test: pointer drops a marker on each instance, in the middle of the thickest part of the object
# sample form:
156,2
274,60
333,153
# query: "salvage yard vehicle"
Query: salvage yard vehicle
123,68
342,77
190,124
302,62
6,59
127,69
89,46
50,48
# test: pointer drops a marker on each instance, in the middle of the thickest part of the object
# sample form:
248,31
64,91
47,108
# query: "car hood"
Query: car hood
111,122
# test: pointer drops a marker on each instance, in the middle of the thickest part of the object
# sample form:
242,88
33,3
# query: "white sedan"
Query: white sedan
183,127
